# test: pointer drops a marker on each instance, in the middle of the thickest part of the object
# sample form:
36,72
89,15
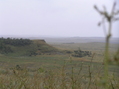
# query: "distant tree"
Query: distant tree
80,53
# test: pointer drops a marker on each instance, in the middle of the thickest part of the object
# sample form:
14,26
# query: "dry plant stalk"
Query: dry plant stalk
110,18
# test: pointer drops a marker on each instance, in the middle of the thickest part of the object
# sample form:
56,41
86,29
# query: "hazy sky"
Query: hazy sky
67,18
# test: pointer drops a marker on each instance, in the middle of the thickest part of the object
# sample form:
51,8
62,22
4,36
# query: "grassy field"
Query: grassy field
59,71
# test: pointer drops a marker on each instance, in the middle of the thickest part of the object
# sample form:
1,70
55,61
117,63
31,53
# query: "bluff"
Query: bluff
25,47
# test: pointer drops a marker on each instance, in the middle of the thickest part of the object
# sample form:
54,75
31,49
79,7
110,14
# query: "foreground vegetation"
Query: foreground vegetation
55,72
58,79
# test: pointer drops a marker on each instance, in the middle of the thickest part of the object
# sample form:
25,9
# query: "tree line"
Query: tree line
15,41
6,43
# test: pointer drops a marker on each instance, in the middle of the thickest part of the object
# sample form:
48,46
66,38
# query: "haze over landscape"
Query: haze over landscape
53,18
57,44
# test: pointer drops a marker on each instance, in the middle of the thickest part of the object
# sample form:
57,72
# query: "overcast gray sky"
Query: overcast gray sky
58,18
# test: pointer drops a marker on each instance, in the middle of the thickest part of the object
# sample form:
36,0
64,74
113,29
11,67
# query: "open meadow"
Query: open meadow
59,71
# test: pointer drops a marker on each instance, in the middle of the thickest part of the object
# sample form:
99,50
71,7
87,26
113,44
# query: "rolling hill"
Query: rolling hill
25,47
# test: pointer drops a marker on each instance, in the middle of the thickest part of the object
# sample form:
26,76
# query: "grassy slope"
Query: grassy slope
38,46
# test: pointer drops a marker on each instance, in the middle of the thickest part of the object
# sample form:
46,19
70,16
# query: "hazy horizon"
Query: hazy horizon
53,18
44,36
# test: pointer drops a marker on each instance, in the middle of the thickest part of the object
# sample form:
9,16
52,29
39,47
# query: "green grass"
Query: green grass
46,61
56,71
